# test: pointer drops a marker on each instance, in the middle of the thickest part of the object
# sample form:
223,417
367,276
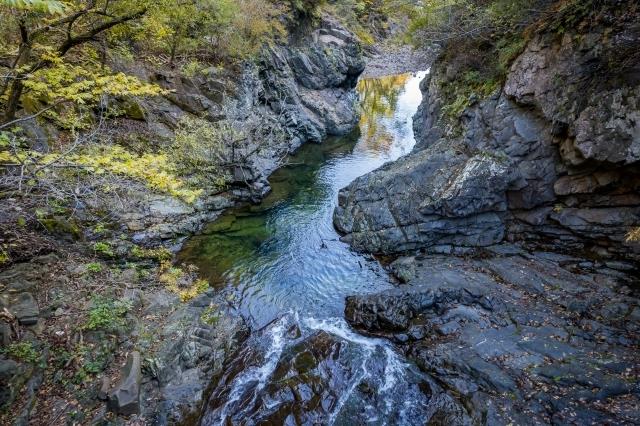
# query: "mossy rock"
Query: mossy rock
58,225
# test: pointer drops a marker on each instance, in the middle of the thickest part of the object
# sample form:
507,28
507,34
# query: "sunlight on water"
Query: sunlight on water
284,254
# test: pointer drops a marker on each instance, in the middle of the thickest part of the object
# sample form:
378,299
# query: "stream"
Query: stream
282,265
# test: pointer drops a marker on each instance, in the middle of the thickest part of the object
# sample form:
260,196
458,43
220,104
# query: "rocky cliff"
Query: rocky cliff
295,93
170,345
550,159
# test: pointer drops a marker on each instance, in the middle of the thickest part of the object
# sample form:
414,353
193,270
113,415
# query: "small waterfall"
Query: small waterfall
317,371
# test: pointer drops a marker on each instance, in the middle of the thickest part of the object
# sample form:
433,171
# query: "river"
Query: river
282,265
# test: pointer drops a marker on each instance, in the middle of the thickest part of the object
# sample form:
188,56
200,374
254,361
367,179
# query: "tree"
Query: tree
40,35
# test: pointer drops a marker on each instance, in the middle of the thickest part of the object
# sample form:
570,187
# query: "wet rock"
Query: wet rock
390,312
125,397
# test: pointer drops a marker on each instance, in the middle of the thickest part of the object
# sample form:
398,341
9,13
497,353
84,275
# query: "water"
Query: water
287,272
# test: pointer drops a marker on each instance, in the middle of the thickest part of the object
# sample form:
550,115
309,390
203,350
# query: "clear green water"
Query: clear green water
284,255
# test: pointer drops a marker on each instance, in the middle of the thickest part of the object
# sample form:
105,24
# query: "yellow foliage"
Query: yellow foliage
81,85
181,283
154,170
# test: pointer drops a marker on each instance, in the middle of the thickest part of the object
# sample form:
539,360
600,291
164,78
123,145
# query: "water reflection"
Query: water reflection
379,99
284,254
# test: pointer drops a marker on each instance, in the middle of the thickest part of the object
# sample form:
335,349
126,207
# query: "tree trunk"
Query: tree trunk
15,92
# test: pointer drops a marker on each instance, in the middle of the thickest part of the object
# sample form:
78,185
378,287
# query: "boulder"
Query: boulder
124,399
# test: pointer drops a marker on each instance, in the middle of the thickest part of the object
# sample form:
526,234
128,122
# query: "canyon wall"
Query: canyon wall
550,159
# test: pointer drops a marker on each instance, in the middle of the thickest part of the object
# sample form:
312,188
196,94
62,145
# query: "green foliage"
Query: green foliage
107,314
4,256
94,267
218,29
464,90
508,49
22,351
371,19
103,248
199,149
49,66
51,7
183,282
210,315
159,254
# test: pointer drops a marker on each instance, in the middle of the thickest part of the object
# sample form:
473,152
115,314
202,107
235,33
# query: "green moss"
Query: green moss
466,89
508,49
61,226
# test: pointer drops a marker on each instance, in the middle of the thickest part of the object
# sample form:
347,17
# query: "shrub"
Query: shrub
155,171
94,268
159,254
107,314
103,249
210,315
199,149
22,351
182,282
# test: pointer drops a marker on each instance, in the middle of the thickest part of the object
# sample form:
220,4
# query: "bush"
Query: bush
183,282
107,314
94,268
199,150
22,351
103,248
159,254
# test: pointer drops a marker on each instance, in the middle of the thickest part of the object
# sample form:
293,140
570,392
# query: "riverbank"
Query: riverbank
513,227
97,323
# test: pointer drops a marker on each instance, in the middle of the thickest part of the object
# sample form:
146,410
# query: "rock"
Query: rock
25,308
386,212
124,399
105,387
492,328
541,161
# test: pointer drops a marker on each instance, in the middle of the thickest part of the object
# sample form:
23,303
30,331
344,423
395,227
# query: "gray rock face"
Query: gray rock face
301,92
551,159
197,339
22,306
515,337
125,397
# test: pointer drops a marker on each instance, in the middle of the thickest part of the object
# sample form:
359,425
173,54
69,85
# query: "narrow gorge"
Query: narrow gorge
340,212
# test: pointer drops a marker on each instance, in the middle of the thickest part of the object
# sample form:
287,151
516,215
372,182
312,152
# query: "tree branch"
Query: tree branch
29,117
90,34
